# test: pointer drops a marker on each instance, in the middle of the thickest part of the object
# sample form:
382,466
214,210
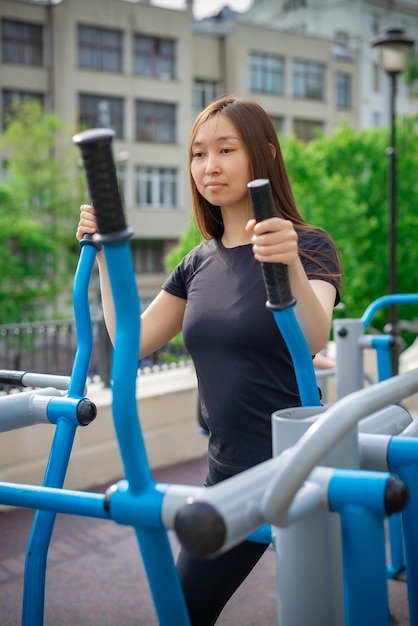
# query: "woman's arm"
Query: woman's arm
160,322
87,225
275,241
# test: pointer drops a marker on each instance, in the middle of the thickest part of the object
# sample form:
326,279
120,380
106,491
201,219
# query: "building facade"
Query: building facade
350,24
146,71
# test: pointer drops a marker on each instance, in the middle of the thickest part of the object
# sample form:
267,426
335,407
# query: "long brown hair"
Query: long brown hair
259,137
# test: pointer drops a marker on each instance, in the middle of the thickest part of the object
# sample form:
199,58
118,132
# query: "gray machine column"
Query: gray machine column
309,557
350,369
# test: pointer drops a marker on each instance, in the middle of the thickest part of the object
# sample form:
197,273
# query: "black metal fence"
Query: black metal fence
49,348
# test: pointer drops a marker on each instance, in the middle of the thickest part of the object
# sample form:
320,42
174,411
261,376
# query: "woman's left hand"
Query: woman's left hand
274,240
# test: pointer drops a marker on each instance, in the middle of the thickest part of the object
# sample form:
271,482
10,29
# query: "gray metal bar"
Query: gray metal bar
373,451
350,369
30,379
391,420
337,421
18,410
237,517
411,430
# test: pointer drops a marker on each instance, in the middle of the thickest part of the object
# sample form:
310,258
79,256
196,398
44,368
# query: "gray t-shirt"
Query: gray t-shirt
244,369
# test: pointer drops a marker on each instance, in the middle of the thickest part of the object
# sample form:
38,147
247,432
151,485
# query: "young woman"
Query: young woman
216,295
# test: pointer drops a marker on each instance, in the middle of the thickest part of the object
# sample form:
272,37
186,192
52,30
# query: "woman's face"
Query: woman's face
220,165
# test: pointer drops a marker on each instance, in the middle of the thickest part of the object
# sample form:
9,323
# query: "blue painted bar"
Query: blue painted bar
302,358
384,301
359,498
155,548
63,414
403,460
383,346
54,499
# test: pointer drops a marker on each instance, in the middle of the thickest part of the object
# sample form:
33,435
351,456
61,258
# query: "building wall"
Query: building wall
247,38
221,56
358,21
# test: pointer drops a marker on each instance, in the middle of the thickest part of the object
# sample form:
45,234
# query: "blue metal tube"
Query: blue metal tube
43,524
83,319
383,346
125,366
364,566
42,527
154,545
301,357
384,301
397,552
359,498
67,501
403,460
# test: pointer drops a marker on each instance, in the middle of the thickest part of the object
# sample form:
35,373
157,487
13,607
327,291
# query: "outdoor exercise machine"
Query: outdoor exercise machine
319,467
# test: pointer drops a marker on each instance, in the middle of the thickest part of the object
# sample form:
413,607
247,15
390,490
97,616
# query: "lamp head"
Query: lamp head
394,48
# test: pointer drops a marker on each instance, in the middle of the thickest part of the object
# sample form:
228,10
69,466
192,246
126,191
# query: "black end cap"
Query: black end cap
396,495
12,377
86,412
200,528
280,307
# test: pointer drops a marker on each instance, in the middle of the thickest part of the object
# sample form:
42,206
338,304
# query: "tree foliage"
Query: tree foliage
411,76
38,201
341,184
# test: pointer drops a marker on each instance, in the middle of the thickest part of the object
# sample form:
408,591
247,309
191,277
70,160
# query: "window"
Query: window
344,91
100,49
157,187
154,57
266,73
148,256
101,111
308,80
204,92
22,43
305,130
155,121
11,98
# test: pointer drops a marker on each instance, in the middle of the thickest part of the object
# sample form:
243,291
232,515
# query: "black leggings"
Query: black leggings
208,583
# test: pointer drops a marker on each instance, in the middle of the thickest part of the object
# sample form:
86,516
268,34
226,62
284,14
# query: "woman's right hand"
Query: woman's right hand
87,223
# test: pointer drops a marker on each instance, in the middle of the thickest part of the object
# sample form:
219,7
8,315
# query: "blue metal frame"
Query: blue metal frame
137,500
358,497
66,425
301,356
139,488
403,460
383,346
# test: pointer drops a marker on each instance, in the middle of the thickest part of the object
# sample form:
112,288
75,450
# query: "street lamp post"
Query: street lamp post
394,48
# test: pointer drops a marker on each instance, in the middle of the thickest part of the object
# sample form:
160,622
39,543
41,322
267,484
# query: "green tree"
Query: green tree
411,76
341,184
38,201
190,238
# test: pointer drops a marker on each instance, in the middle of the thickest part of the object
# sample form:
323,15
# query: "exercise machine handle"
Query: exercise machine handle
96,151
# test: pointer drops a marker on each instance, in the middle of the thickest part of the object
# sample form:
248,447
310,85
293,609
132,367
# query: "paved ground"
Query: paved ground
95,575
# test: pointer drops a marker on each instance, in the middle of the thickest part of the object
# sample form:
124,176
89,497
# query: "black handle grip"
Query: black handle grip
275,275
12,377
96,152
